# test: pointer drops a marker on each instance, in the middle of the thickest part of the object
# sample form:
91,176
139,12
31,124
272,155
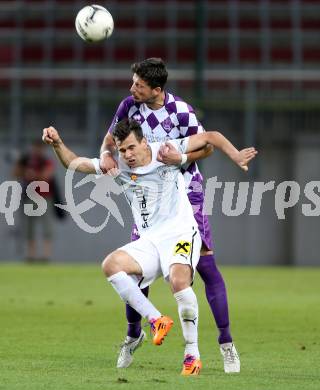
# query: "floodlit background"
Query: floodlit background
250,69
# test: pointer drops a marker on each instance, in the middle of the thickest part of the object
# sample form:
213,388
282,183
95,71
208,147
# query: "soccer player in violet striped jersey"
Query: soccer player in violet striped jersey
164,116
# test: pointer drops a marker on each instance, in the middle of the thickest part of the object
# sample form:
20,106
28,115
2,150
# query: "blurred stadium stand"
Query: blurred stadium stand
250,68
44,62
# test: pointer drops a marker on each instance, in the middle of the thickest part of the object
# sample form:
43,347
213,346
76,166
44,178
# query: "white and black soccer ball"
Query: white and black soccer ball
94,23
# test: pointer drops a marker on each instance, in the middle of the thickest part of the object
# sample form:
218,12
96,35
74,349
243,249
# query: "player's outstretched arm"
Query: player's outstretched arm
216,139
67,157
169,155
200,154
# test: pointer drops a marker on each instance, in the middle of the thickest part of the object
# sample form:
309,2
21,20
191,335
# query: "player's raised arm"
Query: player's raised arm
216,139
108,146
106,153
171,156
67,157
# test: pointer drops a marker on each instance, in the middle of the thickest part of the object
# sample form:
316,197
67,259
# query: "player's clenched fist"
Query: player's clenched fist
114,172
51,136
107,162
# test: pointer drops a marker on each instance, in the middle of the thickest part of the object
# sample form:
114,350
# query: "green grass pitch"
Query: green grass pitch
60,327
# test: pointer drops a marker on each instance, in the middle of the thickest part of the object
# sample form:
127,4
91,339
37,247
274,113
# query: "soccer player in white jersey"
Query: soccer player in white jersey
169,242
164,116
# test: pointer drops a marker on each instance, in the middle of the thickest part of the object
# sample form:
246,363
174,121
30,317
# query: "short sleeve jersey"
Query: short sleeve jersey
175,119
157,195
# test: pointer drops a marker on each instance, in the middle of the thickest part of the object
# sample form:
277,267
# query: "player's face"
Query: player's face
142,92
132,151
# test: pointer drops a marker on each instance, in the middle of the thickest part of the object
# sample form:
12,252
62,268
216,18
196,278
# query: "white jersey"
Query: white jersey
157,195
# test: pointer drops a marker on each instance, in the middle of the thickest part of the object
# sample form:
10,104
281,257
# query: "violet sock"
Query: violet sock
216,295
134,318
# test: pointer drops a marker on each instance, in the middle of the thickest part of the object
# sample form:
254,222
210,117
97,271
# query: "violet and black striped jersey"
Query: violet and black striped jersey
175,119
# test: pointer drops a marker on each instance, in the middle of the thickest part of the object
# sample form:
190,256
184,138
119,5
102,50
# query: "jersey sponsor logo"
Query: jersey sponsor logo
143,206
183,248
137,117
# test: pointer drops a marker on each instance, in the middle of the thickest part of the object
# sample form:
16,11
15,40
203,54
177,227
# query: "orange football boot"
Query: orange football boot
160,328
191,366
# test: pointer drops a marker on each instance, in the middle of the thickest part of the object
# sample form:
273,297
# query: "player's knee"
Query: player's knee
106,264
110,264
117,261
179,282
206,252
180,277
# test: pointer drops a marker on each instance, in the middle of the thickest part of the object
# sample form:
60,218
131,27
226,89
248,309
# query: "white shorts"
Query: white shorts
155,256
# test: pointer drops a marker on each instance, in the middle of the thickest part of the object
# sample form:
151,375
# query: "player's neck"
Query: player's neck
158,102
147,158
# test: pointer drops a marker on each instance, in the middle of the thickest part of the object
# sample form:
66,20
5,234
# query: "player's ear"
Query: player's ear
156,90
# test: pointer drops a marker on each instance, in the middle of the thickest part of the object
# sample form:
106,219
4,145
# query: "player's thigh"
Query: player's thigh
183,248
120,261
146,254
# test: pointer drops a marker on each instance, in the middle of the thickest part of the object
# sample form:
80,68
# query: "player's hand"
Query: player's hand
114,172
50,136
168,154
107,162
244,157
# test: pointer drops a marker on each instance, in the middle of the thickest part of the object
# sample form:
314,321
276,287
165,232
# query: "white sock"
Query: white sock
131,294
188,313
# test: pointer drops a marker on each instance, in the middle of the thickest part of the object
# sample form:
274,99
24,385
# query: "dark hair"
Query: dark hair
152,70
126,126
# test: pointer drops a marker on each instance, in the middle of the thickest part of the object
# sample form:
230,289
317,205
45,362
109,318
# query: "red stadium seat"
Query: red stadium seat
6,55
248,22
33,53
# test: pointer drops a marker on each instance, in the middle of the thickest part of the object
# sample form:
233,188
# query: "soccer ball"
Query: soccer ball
94,23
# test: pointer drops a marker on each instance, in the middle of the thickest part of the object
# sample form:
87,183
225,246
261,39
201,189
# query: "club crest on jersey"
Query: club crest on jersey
166,173
182,248
137,117
167,125
133,177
